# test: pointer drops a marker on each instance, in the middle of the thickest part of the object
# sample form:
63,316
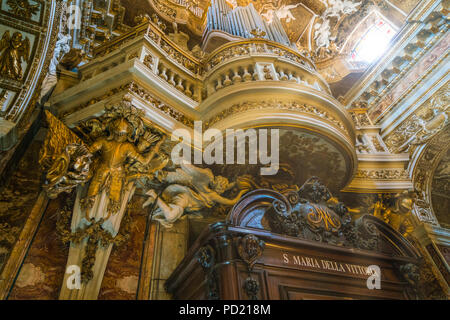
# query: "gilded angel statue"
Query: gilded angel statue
13,50
190,190
117,148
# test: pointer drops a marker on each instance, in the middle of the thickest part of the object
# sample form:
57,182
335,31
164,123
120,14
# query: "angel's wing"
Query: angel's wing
6,38
24,51
58,137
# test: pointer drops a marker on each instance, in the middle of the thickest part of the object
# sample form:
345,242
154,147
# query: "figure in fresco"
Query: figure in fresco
190,190
13,49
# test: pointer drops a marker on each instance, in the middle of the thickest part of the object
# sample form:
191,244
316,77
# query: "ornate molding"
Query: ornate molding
255,47
383,174
273,104
425,123
425,161
141,92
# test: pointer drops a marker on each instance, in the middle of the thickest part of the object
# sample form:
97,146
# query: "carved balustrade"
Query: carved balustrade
259,60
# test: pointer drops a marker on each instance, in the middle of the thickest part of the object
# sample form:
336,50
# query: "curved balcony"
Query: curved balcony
245,84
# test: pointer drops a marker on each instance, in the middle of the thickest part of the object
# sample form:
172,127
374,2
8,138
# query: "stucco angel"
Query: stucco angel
13,49
191,190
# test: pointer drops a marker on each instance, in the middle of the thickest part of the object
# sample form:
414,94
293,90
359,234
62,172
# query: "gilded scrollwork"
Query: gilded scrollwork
423,125
95,234
383,174
314,214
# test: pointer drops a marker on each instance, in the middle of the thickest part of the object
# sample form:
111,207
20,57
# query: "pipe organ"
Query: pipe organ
240,21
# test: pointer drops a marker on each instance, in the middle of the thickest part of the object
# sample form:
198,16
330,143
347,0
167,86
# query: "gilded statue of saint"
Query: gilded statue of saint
13,50
114,152
119,148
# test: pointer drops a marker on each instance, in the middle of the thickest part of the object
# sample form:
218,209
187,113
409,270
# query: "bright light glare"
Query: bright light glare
373,43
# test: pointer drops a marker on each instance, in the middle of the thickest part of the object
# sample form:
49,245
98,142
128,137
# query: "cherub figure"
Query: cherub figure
192,189
13,49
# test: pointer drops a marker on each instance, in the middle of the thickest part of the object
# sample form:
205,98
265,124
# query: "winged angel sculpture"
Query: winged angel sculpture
118,150
190,190
13,50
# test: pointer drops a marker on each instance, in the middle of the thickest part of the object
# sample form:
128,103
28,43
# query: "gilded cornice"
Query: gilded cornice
141,92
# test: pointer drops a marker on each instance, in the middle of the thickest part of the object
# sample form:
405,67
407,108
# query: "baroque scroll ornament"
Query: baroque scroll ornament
312,213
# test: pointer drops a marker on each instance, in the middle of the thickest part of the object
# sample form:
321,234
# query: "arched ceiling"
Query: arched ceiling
310,24
296,15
